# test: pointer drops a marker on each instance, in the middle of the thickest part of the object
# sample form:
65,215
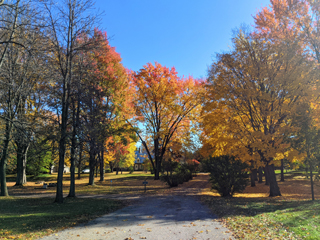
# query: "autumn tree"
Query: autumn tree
67,22
259,85
105,100
120,151
306,140
20,68
162,100
284,21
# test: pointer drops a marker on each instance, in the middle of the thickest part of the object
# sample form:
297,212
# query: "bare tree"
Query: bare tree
67,22
18,74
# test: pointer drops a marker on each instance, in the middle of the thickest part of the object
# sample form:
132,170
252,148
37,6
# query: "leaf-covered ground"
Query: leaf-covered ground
249,215
254,215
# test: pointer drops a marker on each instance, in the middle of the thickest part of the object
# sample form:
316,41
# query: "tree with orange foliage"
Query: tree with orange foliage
120,152
162,100
105,101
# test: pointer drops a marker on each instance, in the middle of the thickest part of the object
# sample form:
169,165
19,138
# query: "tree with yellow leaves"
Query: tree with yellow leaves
120,152
252,93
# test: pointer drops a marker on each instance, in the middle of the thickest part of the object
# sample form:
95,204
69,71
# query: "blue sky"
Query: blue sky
181,33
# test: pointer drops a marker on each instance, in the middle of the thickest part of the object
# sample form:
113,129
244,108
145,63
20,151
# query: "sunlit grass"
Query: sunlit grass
113,184
254,215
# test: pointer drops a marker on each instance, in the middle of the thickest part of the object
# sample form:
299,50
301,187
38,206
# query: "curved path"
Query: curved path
174,216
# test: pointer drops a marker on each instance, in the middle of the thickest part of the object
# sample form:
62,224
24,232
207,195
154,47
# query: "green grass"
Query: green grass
30,218
268,219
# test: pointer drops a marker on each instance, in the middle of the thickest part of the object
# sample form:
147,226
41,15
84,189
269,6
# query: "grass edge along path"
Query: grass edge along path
267,219
31,218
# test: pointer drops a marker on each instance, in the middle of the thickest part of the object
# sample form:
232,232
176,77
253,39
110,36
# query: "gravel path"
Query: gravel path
166,217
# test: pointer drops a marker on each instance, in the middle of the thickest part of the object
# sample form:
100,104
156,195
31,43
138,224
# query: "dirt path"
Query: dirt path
175,215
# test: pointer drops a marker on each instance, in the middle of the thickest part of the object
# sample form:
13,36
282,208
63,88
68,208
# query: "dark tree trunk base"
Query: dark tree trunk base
253,183
260,175
274,188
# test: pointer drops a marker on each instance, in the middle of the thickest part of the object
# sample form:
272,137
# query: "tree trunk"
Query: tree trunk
96,163
282,173
22,151
266,175
156,174
79,160
260,174
157,169
311,180
253,183
62,149
255,174
72,190
101,165
111,166
92,163
3,161
274,189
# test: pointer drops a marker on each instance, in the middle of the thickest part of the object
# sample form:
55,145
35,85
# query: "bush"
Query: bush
130,169
108,170
175,173
227,175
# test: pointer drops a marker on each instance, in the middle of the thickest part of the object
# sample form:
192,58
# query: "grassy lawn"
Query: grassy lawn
268,219
114,184
253,215
249,215
30,218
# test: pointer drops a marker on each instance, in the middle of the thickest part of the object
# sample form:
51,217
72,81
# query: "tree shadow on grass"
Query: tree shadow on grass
226,207
34,215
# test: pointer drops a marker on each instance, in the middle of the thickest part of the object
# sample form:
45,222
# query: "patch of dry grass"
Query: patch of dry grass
114,184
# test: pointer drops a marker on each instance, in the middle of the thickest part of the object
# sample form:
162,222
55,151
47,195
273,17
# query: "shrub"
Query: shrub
130,169
227,175
175,173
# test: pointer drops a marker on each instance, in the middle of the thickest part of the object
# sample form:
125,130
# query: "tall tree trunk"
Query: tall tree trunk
266,176
22,151
92,163
72,190
96,168
102,164
156,173
62,150
260,174
3,162
282,173
311,179
111,166
253,183
80,160
274,188
22,141
255,174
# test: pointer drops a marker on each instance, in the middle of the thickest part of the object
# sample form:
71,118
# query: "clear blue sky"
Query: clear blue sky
181,33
